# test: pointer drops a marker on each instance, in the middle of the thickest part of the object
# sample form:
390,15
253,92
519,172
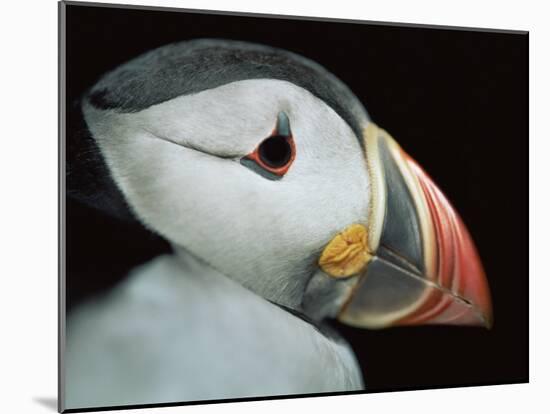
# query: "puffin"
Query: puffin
286,207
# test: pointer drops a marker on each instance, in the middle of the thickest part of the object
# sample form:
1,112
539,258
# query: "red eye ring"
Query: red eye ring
275,154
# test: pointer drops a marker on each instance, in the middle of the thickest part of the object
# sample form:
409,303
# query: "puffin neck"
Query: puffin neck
193,264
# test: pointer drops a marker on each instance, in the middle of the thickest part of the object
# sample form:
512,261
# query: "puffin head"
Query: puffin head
267,168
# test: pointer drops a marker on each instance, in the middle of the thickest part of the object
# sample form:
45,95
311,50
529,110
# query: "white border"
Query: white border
28,165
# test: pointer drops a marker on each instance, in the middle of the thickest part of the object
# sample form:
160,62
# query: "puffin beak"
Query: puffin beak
415,262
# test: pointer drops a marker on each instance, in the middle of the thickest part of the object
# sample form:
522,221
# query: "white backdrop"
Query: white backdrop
28,202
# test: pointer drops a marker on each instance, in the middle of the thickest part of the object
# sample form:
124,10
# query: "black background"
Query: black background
457,101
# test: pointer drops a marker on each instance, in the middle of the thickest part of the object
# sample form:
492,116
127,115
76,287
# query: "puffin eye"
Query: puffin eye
275,152
273,157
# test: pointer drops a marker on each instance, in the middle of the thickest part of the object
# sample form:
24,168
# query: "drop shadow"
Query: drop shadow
48,402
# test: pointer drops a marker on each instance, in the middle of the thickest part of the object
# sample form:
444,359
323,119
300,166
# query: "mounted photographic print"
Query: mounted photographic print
258,206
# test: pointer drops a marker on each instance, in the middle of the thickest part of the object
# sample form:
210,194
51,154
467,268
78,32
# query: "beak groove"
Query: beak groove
425,268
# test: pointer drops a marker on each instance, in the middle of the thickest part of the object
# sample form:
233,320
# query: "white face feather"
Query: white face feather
264,234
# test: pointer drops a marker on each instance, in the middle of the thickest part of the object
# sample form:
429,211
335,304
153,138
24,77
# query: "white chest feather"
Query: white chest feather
177,331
